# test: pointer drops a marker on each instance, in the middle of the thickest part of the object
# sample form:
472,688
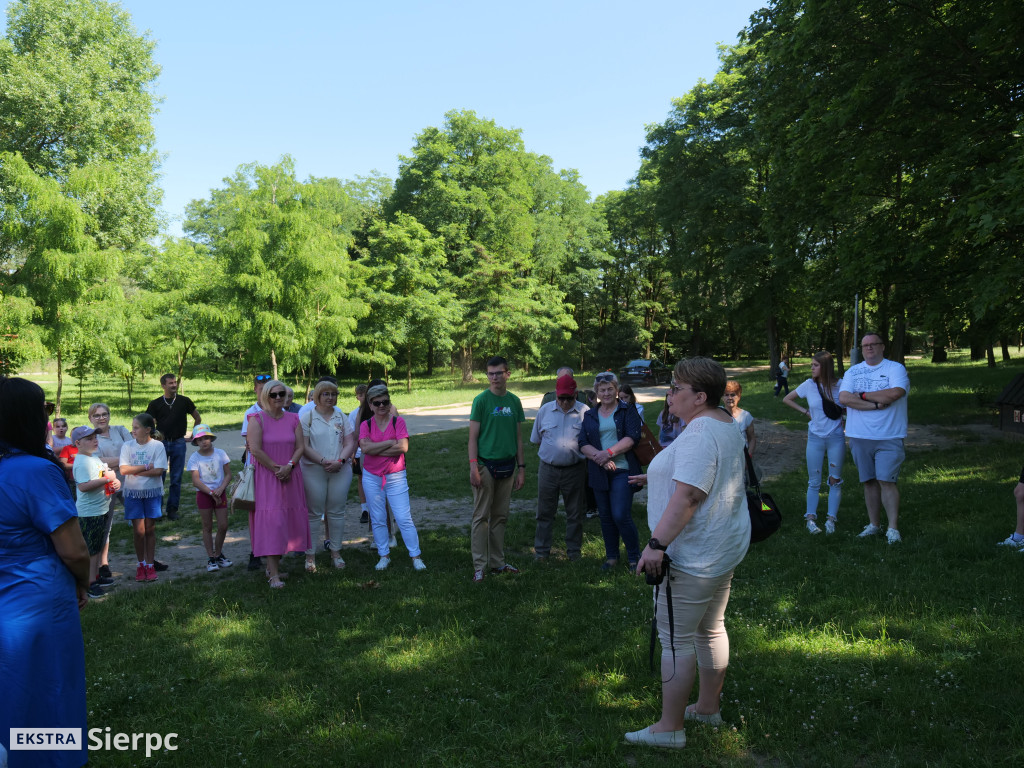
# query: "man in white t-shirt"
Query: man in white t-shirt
874,393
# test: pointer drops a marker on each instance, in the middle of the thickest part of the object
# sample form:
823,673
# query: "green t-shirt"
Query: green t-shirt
499,419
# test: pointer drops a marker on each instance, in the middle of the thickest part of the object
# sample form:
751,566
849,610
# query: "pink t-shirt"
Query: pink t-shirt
383,465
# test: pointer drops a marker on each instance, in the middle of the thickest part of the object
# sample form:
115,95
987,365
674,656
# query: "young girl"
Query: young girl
60,435
143,462
825,437
211,473
743,419
94,481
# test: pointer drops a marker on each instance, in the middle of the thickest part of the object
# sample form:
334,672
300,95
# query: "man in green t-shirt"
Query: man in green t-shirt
496,443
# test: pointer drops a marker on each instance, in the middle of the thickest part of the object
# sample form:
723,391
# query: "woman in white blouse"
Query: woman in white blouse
327,468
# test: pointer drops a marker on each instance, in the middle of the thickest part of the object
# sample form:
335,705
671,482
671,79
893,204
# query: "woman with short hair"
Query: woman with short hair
327,467
609,432
697,511
111,437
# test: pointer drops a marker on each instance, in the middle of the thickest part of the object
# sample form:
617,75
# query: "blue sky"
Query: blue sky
345,87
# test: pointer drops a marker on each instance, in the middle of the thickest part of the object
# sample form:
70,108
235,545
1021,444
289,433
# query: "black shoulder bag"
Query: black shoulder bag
765,517
832,409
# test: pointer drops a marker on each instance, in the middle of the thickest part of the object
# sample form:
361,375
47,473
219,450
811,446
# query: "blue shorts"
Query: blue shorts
877,459
139,509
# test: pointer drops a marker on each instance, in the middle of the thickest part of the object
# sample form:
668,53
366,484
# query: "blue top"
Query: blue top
42,657
627,423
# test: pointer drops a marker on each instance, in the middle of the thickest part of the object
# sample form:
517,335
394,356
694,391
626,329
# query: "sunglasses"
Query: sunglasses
603,377
263,377
277,395
380,403
567,397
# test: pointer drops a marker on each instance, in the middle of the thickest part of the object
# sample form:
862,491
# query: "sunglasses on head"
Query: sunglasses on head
277,395
379,403
263,377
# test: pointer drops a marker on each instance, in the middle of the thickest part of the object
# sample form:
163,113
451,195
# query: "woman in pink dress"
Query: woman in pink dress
280,522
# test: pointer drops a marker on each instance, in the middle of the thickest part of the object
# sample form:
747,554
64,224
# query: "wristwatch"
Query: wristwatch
655,544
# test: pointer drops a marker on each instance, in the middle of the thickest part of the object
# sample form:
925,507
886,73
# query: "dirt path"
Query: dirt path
779,450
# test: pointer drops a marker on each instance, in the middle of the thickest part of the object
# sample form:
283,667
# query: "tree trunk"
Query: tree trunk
840,342
273,363
991,356
60,381
408,369
430,359
899,352
1004,342
129,385
774,353
466,364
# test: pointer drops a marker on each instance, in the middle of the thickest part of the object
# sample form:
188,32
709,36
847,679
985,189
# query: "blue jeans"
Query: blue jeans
817,448
175,466
615,506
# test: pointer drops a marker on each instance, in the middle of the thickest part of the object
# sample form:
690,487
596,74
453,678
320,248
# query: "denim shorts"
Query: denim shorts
137,509
877,459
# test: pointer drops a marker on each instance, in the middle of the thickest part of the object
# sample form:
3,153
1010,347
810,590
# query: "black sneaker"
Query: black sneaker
172,514
104,581
95,590
105,572
364,517
158,565
255,564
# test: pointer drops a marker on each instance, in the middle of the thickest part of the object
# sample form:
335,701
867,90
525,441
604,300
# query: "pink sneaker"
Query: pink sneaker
150,573
140,573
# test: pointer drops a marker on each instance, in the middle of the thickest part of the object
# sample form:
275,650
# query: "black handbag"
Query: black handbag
765,517
833,410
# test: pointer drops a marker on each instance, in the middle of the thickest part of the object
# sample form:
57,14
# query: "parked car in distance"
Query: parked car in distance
645,373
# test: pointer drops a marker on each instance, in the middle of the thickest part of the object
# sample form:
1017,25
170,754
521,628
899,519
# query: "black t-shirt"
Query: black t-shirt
171,417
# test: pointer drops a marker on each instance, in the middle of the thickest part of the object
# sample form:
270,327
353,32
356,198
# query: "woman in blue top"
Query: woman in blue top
44,582
607,438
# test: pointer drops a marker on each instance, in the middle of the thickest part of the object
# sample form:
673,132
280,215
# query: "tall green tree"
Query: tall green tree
294,293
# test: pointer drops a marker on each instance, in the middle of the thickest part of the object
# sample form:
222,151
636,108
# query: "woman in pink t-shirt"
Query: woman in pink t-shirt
384,440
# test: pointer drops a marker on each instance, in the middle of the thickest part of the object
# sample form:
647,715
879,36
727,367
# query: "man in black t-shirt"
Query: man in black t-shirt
171,412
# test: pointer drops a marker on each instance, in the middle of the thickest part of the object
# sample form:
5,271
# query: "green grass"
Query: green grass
844,652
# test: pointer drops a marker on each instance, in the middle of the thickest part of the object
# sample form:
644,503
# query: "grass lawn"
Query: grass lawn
844,652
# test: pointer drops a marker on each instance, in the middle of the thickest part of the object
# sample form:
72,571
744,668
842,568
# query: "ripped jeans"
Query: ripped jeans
834,446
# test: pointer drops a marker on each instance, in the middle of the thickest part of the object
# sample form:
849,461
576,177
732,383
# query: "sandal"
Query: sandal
310,566
275,583
281,575
339,563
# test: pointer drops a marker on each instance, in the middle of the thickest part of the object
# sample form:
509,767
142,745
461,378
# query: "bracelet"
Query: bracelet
521,466
472,461
291,464
610,453
863,396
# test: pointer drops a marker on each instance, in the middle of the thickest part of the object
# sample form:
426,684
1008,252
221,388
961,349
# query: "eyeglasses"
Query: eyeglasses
101,415
493,374
328,394
871,345
263,377
277,395
380,403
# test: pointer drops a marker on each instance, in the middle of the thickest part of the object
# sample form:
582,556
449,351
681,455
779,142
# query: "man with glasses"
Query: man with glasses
496,443
562,470
255,563
874,392
170,413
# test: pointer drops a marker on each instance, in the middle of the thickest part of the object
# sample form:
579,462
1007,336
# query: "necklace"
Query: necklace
170,404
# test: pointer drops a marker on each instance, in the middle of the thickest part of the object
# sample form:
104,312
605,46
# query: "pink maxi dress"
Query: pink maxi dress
280,522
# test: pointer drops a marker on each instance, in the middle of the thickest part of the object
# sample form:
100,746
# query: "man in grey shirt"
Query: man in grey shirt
562,469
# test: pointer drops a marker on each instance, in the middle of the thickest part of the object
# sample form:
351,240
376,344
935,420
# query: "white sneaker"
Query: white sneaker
812,526
339,563
1009,541
418,564
383,563
869,530
830,526
893,536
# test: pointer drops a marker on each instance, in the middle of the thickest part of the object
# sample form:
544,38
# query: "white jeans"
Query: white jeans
326,494
390,489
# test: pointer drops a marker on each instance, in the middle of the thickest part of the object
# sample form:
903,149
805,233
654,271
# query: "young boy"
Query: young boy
211,474
94,480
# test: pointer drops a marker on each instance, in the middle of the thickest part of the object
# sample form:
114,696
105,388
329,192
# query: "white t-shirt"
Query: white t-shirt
708,455
885,423
820,424
352,416
324,435
95,502
211,468
135,455
252,409
743,420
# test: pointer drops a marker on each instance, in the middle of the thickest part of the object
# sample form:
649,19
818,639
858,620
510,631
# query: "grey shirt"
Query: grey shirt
557,433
